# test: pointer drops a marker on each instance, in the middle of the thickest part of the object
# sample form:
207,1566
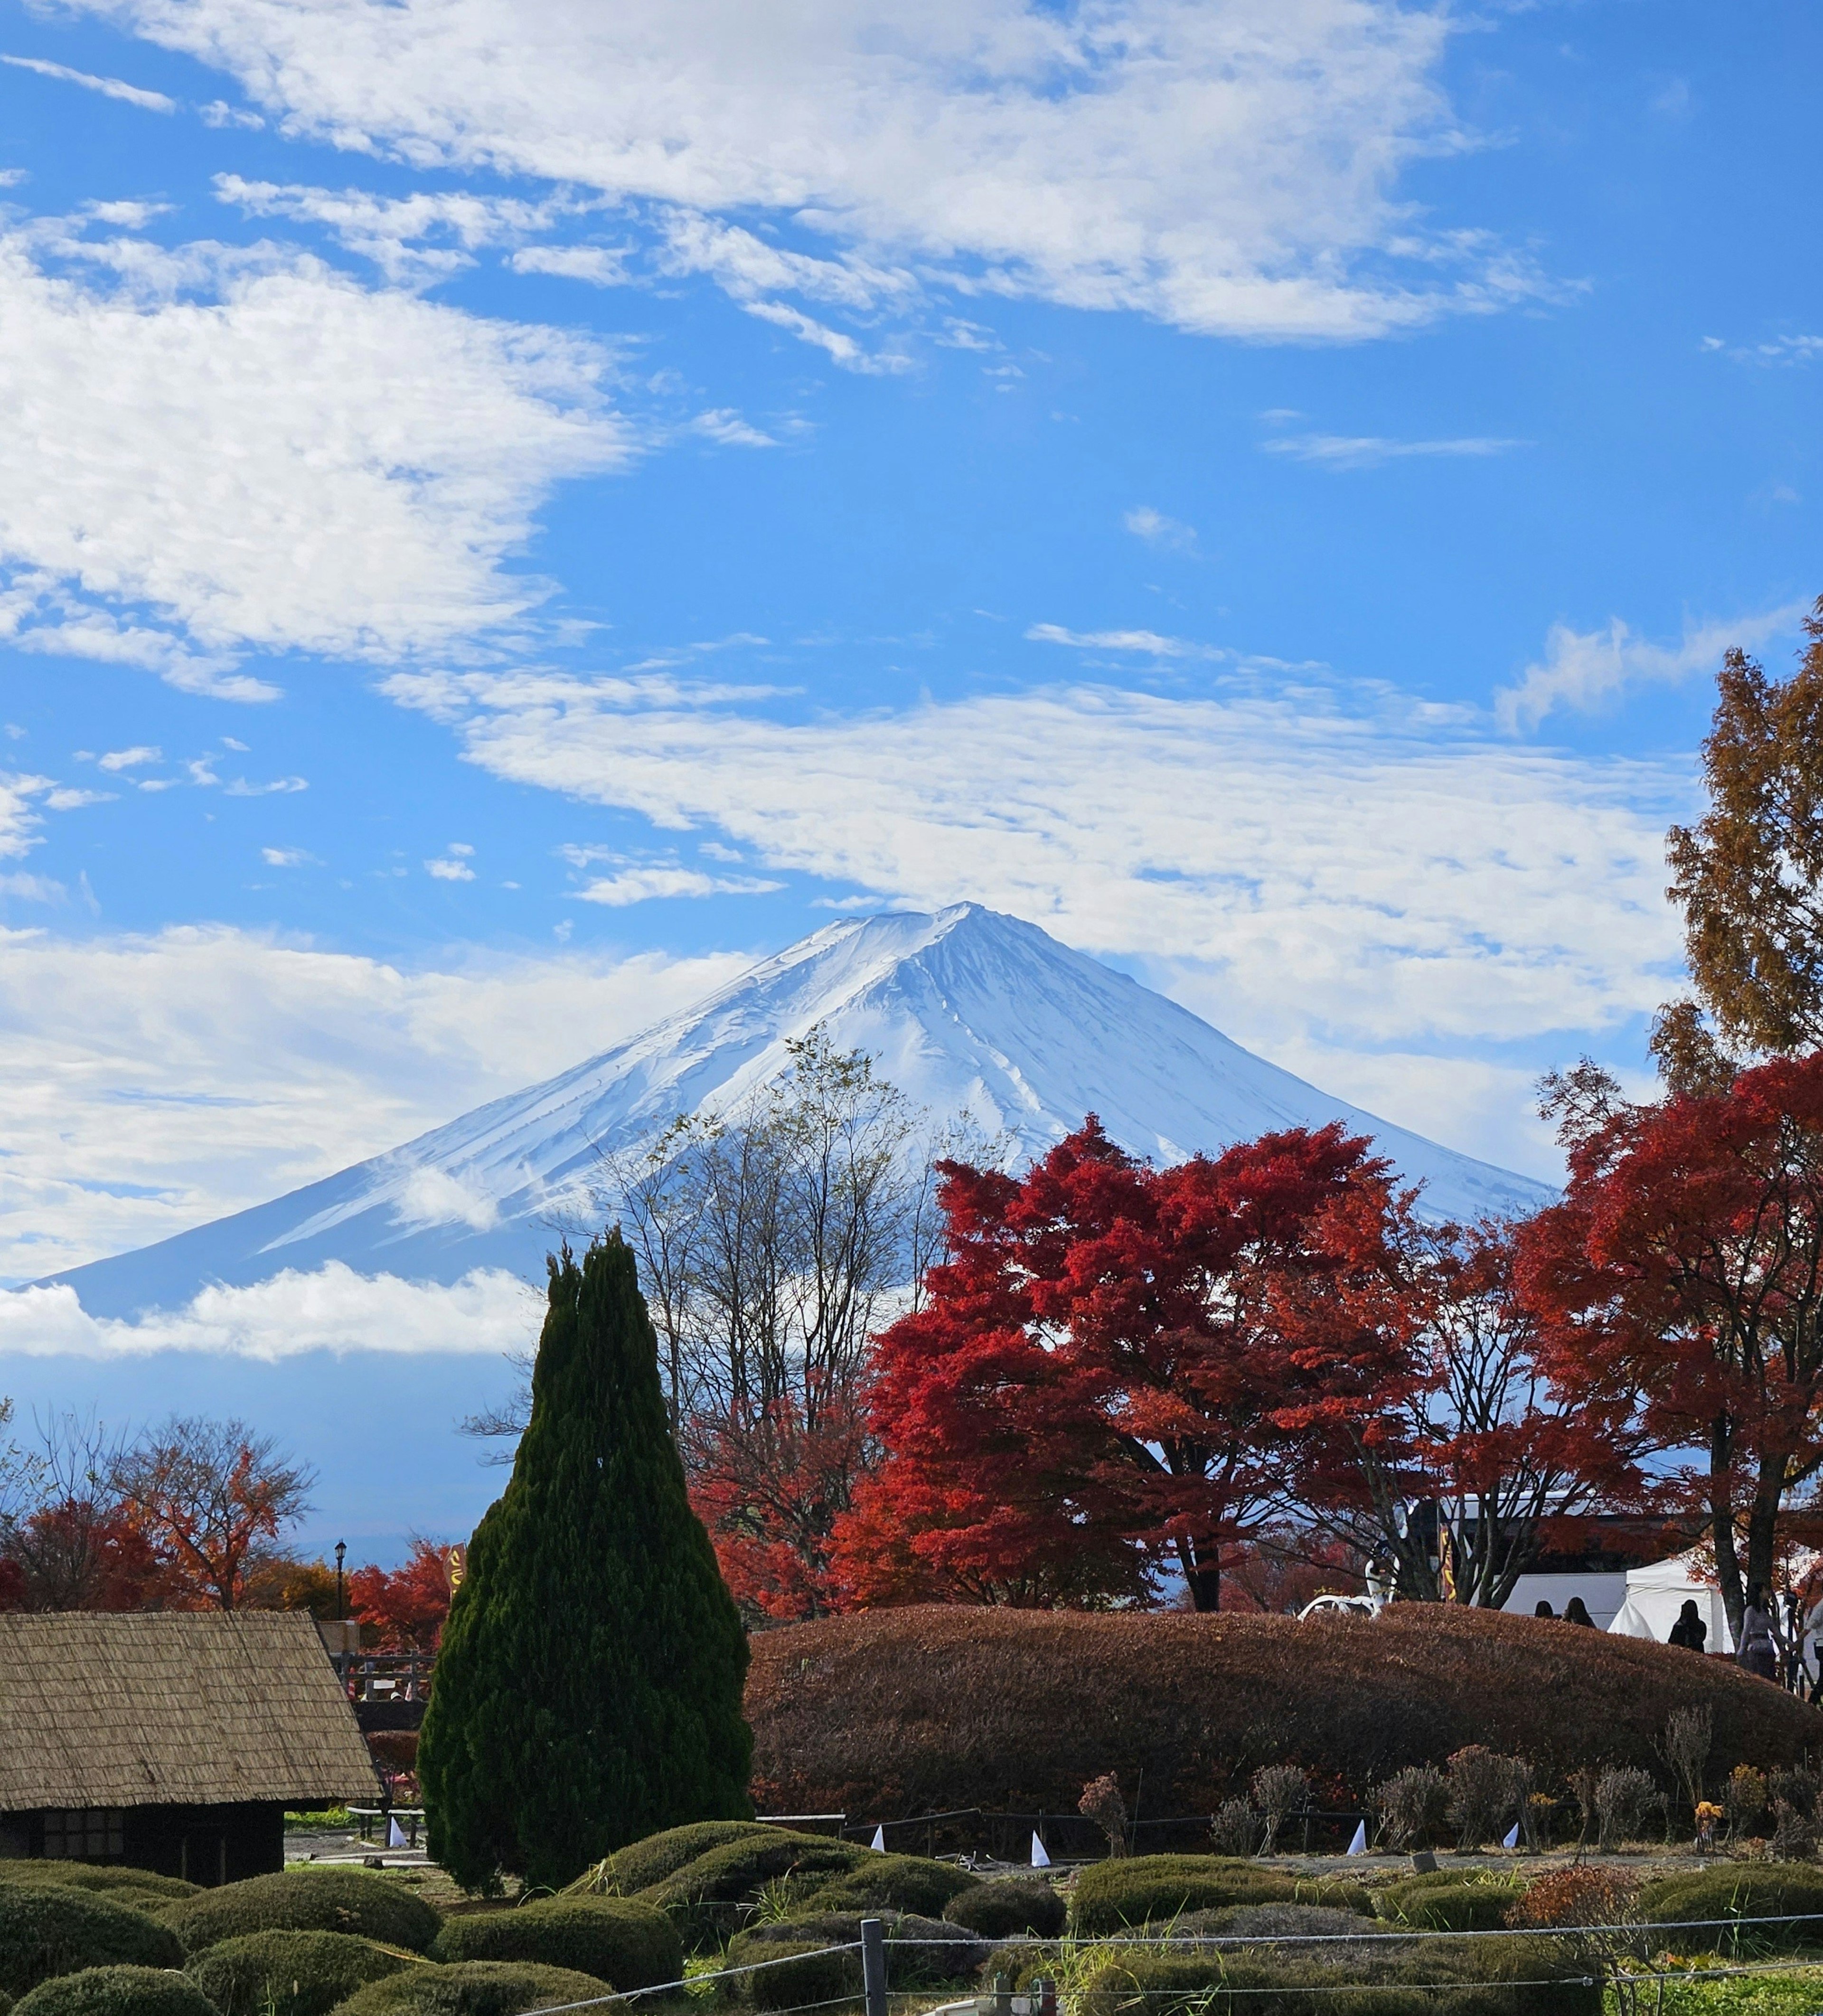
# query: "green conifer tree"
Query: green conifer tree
588,1689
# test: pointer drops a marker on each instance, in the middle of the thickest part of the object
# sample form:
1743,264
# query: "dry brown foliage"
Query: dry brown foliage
901,1711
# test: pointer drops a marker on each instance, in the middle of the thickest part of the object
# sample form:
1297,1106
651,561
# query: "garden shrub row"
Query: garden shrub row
1113,1895
1731,1893
117,1991
288,1974
920,1950
1009,1907
472,1988
1449,1901
615,1938
113,1880
306,1900
1496,1977
705,1896
643,1863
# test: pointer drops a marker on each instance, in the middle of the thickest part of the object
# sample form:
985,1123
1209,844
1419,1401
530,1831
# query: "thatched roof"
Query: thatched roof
176,1709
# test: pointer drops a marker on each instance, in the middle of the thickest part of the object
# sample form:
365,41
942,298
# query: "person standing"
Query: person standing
1759,1646
1689,1631
1577,1611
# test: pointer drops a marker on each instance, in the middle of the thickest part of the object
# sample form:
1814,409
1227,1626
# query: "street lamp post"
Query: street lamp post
341,1555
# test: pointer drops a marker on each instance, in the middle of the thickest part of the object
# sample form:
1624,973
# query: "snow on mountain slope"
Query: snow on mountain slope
967,1009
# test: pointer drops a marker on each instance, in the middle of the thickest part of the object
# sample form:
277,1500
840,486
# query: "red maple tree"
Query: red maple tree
406,1607
1096,1378
1680,1283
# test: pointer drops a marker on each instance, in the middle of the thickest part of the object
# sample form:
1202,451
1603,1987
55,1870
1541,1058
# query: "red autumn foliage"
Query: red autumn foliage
1099,1372
11,1584
1680,1284
405,1608
770,1488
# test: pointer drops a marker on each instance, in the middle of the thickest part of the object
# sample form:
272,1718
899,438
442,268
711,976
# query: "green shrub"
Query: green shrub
56,1929
893,1883
1768,1890
92,1876
312,1900
643,1864
1008,1906
1112,1896
632,1945
117,1991
921,1949
473,1988
1462,1904
704,1897
288,1974
1509,1977
808,1971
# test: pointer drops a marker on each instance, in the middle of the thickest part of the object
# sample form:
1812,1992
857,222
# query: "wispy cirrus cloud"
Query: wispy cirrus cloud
1171,535
1137,643
1369,451
108,87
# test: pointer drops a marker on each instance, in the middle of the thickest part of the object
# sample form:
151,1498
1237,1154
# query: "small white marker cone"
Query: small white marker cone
1358,1845
1512,1837
395,1835
880,1839
1040,1859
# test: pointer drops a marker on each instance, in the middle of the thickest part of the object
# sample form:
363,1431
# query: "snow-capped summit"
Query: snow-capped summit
966,1009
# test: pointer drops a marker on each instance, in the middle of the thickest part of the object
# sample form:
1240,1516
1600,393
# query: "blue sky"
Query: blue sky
505,514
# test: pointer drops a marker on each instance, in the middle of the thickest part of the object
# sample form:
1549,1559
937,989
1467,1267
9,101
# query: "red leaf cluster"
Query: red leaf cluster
405,1608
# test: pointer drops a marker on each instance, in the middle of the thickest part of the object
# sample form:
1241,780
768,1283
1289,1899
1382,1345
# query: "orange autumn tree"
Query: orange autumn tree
405,1608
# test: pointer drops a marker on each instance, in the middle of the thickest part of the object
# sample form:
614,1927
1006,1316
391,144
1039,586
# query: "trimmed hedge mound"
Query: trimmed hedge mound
1769,1890
315,1900
615,1938
1457,1903
893,1883
288,1974
57,1929
920,1949
92,1876
1007,1907
1111,1896
928,1709
808,1972
117,1991
472,1988
704,1897
1511,1977
643,1864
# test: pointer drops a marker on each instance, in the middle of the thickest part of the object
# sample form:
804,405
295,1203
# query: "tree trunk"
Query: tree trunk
1203,1578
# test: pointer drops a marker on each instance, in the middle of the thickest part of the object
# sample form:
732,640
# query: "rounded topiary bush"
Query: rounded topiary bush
473,1988
117,1991
1008,1906
1111,1895
108,1879
316,1900
56,1929
806,1972
1457,1903
893,1883
631,1944
705,1897
288,1974
1716,1904
643,1864
920,1950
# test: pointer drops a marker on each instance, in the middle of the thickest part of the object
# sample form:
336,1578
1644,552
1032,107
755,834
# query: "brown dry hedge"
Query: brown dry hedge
892,1713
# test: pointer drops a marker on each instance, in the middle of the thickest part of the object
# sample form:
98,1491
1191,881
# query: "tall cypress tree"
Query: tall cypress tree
588,1689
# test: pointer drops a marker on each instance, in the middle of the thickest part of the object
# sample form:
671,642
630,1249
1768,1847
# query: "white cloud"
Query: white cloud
1145,644
332,1309
391,231
1773,350
724,425
285,857
600,265
219,113
1229,165
66,800
1168,534
226,452
435,1197
154,1083
33,888
1584,671
108,87
1427,887
19,816
450,870
646,884
130,759
1369,451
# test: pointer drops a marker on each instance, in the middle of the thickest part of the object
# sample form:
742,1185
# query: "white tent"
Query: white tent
1655,1595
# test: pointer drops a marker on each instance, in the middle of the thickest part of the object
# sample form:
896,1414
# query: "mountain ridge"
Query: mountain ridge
964,1009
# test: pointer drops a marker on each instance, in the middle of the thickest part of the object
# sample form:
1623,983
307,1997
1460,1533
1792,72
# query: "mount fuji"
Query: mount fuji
965,1011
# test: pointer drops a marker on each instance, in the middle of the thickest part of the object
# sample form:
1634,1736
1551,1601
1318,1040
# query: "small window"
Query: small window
92,1834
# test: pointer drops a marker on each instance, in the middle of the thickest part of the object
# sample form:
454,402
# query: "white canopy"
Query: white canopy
1657,1593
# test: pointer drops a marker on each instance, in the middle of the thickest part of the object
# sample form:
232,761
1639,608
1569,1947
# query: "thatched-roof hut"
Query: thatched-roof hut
173,1741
